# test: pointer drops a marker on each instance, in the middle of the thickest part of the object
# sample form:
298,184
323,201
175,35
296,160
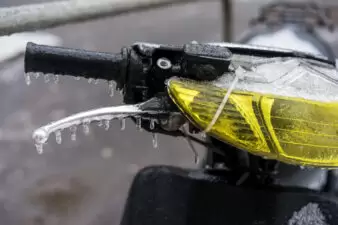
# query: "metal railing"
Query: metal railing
48,15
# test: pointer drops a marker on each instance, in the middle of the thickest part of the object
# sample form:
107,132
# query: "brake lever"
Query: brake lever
102,117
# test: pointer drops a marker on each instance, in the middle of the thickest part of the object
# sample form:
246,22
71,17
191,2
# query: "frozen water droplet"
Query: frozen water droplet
47,78
155,140
90,80
28,78
106,124
56,79
152,124
111,85
37,75
58,137
100,123
302,167
77,78
40,137
39,148
123,123
203,135
73,130
85,126
139,123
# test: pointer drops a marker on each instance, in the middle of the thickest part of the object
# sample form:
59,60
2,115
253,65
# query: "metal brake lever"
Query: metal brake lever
151,112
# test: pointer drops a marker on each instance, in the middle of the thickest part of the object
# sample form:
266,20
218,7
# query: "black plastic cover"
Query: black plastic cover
164,195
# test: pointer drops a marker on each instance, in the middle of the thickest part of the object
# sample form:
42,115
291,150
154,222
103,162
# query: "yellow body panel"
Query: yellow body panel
292,130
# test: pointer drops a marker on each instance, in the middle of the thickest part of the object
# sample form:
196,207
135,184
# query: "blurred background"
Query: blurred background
86,182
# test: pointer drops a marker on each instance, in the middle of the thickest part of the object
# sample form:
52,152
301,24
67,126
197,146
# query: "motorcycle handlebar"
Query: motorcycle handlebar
72,62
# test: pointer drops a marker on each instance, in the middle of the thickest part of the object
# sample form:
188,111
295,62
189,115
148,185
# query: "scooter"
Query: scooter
266,114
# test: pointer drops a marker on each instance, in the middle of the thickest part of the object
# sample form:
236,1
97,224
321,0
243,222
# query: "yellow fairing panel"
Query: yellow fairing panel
292,130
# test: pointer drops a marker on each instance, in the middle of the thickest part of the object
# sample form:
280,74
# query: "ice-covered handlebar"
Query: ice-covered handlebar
140,70
73,62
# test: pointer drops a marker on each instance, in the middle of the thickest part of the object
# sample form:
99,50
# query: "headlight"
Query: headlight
290,129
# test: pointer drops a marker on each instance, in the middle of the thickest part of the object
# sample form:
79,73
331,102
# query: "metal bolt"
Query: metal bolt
164,63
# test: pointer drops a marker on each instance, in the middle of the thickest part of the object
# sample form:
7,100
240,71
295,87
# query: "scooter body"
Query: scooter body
215,195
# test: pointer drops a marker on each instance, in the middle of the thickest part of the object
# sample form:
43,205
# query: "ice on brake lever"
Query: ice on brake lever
101,116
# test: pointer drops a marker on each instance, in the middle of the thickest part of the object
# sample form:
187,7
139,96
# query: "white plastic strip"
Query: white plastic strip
238,74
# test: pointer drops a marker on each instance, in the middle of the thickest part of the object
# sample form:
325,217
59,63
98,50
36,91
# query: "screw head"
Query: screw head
164,63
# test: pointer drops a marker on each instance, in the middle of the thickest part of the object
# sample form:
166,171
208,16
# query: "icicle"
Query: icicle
58,137
123,123
100,123
139,123
85,126
90,80
111,85
108,113
37,75
40,137
77,78
39,148
56,79
47,78
106,124
203,135
155,140
28,78
152,124
73,130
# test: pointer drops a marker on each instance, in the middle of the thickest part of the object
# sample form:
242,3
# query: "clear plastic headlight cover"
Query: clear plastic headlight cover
282,109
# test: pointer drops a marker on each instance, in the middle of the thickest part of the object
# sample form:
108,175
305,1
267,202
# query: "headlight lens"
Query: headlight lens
292,130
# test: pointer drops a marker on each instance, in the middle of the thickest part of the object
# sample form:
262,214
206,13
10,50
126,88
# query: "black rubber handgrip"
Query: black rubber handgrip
74,62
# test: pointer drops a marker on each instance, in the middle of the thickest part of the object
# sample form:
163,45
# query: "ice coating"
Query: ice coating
58,137
138,124
73,130
111,85
47,78
106,124
123,124
155,140
42,134
28,78
152,124
289,77
56,79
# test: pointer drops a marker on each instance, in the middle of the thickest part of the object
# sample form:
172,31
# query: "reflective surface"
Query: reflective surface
293,130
